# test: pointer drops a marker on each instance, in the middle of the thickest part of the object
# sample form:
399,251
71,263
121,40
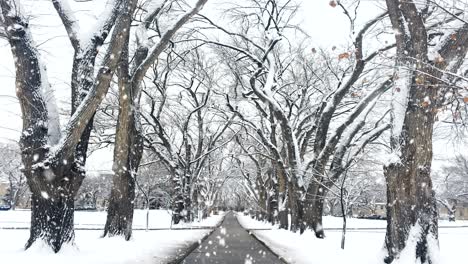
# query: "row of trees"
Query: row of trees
53,158
242,109
313,120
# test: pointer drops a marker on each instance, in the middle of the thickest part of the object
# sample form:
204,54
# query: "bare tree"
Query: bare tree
453,184
184,124
10,171
313,123
54,159
129,140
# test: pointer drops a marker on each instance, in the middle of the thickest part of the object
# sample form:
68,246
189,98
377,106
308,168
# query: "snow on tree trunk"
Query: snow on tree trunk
313,210
412,227
295,207
53,168
178,200
51,219
188,198
411,203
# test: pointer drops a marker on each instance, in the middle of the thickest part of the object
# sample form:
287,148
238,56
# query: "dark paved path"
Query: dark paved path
231,244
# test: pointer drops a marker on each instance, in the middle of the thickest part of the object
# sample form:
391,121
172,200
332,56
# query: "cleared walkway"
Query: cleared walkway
231,244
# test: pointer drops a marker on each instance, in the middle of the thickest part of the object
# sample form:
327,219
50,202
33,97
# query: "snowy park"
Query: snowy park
161,243
165,243
234,131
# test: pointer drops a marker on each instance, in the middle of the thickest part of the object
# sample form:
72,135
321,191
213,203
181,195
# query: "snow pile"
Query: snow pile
145,247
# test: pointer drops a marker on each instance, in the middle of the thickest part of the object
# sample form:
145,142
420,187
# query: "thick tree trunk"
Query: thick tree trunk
178,200
411,212
54,177
120,210
187,198
51,220
127,156
52,207
128,146
295,206
313,208
272,209
411,204
282,200
126,161
314,217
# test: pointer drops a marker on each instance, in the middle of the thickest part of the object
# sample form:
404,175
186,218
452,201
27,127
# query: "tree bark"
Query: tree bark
120,210
295,207
52,211
314,212
128,146
282,200
411,205
51,221
54,177
178,201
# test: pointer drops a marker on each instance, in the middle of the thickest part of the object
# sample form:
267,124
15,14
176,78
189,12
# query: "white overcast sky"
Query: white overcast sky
327,27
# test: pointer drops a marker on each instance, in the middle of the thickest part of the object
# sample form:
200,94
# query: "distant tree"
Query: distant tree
95,189
10,172
452,186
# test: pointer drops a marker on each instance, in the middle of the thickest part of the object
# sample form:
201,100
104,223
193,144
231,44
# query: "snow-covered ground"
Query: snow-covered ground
154,246
362,246
91,219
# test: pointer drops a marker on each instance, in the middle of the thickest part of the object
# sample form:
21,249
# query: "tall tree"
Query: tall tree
418,80
53,159
129,139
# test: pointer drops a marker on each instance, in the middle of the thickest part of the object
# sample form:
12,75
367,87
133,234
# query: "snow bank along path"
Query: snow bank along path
363,245
152,247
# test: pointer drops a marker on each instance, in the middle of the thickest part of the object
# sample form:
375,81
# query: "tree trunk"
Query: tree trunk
128,148
120,210
127,158
52,208
451,215
411,204
53,177
295,206
272,208
411,212
187,198
282,199
51,221
178,200
313,209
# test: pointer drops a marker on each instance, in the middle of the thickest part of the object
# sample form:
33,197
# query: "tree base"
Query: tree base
51,221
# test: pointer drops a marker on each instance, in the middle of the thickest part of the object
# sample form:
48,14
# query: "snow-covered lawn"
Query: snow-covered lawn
156,246
97,219
362,246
